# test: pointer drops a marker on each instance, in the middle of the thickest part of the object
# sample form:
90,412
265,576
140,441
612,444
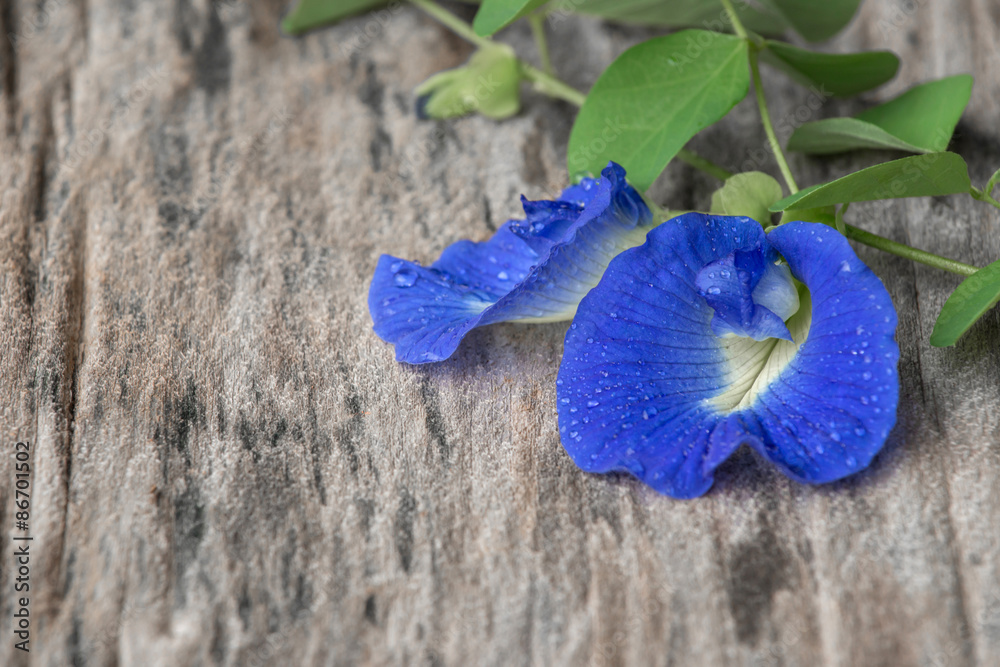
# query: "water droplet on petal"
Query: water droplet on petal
405,278
714,290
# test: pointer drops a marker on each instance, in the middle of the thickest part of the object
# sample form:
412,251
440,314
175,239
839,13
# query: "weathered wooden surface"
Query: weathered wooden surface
230,468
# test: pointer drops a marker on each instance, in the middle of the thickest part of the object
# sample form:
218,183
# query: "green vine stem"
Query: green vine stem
930,259
537,23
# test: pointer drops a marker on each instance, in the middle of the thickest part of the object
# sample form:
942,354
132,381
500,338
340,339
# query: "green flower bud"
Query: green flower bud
489,84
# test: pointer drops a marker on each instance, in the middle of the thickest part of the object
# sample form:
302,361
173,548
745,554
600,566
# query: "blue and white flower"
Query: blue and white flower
702,340
532,270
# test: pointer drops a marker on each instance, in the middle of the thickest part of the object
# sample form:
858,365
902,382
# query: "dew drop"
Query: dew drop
714,290
845,267
503,276
859,431
405,278
851,462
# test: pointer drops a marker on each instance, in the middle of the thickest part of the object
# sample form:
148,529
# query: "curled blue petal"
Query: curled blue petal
730,287
647,387
535,270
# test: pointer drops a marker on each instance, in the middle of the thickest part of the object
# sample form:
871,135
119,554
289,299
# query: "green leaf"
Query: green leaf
925,115
310,14
651,100
920,120
918,176
836,135
976,295
708,14
837,74
496,14
816,21
748,194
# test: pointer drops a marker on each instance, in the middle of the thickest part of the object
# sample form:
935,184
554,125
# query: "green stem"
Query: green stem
930,259
994,179
765,117
698,162
984,196
735,18
537,22
551,86
455,24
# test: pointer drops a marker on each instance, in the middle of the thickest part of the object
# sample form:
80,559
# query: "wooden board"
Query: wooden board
230,469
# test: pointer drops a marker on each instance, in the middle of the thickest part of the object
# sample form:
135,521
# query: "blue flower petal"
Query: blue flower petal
647,387
535,270
729,285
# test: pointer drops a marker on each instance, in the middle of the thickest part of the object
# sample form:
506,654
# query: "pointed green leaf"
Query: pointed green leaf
310,14
651,100
836,135
496,14
925,115
748,194
929,175
816,21
838,74
708,14
921,120
976,295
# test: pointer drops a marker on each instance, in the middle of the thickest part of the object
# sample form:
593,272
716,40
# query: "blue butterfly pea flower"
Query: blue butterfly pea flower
698,342
532,270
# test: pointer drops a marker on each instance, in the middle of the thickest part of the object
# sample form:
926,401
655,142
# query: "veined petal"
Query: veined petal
647,387
535,270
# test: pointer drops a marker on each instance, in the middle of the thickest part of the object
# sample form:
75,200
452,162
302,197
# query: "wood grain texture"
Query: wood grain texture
230,468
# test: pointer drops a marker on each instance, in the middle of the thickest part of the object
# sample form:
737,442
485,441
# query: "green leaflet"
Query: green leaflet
918,176
313,13
921,120
836,135
816,21
708,14
496,14
749,194
838,74
976,295
651,100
